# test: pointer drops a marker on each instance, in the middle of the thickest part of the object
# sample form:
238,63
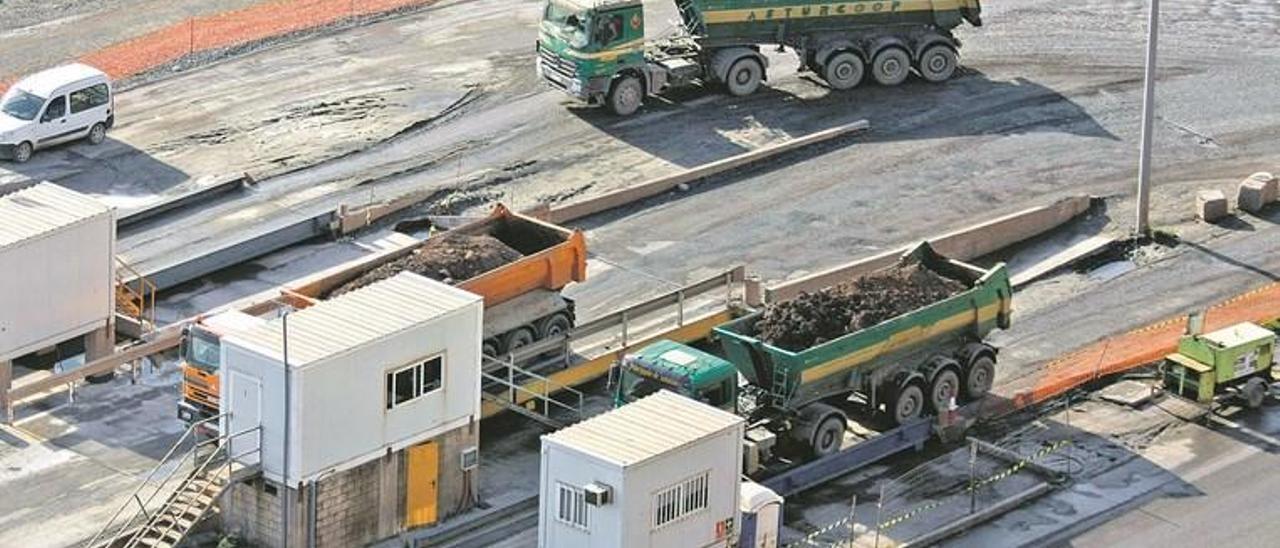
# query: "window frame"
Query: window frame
680,500
44,114
418,381
569,511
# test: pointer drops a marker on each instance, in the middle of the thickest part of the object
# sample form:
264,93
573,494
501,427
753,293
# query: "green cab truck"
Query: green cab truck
595,50
918,363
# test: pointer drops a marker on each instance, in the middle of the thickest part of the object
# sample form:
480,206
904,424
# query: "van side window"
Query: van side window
90,97
57,108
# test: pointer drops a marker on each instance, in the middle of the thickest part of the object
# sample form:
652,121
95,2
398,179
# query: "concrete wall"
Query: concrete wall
352,507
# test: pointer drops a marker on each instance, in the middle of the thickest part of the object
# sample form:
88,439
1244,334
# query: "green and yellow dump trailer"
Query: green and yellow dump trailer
595,50
916,364
1236,362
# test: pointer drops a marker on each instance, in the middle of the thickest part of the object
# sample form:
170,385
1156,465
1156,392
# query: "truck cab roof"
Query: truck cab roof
680,364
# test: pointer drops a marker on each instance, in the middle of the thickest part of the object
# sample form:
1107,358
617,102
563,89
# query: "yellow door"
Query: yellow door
421,479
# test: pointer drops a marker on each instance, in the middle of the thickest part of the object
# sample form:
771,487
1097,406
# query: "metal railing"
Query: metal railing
515,382
190,460
142,299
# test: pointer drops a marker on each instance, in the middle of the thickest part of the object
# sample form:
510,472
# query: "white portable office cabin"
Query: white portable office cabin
374,370
57,248
661,471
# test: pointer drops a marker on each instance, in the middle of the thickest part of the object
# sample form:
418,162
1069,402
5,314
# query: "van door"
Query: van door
53,127
89,105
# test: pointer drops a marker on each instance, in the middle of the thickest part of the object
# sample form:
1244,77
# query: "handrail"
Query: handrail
145,294
547,386
134,496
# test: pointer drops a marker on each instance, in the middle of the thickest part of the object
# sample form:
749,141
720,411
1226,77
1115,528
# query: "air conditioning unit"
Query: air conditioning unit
470,458
598,494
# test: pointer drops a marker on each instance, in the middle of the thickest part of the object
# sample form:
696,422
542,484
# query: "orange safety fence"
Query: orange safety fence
223,30
1141,346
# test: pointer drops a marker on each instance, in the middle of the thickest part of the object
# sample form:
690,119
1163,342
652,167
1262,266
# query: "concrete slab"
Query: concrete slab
1132,393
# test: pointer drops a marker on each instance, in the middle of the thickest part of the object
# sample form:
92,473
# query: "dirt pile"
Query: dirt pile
449,258
814,318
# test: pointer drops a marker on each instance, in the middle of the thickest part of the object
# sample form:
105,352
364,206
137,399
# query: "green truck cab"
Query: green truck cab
595,50
904,368
1237,361
583,44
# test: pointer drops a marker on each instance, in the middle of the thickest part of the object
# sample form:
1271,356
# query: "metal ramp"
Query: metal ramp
181,489
529,394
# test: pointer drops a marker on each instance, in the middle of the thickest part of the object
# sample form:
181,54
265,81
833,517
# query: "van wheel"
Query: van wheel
22,153
97,134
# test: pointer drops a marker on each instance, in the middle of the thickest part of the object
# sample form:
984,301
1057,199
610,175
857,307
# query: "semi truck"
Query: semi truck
595,50
918,363
522,299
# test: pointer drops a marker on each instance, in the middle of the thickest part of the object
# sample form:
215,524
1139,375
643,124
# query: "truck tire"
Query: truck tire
944,388
744,77
891,66
821,429
1254,392
979,377
844,70
490,348
937,63
517,338
906,404
626,95
553,325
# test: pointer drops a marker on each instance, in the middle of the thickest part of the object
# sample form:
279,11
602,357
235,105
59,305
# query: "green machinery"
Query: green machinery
1236,362
917,363
595,50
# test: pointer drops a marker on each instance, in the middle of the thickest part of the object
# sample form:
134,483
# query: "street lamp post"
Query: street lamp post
1143,225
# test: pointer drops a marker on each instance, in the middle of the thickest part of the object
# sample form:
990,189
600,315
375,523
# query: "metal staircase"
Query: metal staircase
181,489
512,388
690,18
135,296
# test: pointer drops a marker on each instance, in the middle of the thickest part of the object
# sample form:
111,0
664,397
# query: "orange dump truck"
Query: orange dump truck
523,303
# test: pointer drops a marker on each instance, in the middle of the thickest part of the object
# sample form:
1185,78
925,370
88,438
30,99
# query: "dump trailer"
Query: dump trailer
522,299
595,50
917,363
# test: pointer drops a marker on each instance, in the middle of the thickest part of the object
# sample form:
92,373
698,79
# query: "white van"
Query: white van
55,106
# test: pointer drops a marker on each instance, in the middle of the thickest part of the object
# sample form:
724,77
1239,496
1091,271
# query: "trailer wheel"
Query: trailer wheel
821,429
517,338
944,388
978,379
744,77
553,325
937,63
907,404
626,96
891,66
490,348
843,70
1254,392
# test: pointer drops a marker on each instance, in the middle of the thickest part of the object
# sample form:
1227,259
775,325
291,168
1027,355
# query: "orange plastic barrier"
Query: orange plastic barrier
228,29
1144,345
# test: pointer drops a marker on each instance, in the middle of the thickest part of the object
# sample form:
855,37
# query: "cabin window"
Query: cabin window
681,500
571,506
414,381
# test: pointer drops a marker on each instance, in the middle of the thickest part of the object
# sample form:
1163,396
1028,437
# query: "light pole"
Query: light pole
1143,225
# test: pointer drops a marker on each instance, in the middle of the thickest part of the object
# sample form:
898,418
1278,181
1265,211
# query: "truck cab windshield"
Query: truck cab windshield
21,105
203,350
571,23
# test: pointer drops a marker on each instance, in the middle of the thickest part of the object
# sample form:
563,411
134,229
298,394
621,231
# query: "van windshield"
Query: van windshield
21,105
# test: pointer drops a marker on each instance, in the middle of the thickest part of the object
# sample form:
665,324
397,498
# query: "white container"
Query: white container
662,471
57,267
341,355
761,516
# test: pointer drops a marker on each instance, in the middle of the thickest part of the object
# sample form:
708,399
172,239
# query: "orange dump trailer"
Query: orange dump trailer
522,298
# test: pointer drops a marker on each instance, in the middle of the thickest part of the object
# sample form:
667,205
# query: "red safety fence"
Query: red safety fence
223,30
1142,346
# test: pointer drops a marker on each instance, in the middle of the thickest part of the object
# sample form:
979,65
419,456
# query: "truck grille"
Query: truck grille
557,64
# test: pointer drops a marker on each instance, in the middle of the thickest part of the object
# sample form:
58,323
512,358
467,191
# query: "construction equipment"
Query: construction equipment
522,299
595,50
936,350
1233,363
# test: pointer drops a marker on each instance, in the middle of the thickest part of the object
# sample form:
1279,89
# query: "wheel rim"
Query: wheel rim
979,379
945,387
98,133
908,404
744,77
556,326
519,339
891,67
938,64
844,71
23,153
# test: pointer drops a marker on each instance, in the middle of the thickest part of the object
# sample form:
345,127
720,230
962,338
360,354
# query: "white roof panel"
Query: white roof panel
43,208
1239,334
645,428
43,83
356,318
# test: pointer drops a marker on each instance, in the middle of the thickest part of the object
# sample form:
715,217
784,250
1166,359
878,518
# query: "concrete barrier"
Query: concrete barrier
964,244
654,187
